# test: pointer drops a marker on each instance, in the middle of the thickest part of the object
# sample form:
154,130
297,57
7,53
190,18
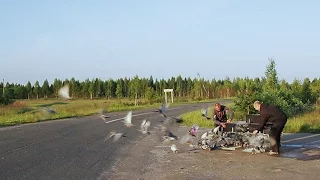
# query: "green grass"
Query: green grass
306,123
28,111
194,117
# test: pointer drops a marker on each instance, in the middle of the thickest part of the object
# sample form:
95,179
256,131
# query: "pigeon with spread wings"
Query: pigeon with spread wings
64,92
163,109
204,113
127,119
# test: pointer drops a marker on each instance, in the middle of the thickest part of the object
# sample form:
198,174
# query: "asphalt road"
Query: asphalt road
72,148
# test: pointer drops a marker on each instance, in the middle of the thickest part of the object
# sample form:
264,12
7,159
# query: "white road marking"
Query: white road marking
300,138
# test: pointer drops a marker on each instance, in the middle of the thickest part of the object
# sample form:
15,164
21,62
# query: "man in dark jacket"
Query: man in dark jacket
275,115
222,115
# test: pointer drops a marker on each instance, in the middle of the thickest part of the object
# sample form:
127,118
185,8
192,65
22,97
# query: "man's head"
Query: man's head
257,105
217,106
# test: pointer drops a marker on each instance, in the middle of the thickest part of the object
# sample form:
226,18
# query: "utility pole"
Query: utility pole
203,86
3,88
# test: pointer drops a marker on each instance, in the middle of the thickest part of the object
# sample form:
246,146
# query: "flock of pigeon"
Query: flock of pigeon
211,139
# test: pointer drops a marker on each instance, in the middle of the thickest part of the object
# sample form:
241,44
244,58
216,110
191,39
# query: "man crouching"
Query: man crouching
270,113
222,115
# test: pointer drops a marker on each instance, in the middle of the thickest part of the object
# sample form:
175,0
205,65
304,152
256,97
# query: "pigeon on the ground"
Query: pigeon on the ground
174,148
194,129
164,134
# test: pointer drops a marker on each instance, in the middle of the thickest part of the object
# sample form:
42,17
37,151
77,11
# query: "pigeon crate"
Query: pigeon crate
253,118
230,127
254,121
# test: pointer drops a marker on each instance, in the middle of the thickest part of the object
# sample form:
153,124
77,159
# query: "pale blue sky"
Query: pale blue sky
47,39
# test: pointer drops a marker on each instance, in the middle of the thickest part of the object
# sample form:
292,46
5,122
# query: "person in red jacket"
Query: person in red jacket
271,113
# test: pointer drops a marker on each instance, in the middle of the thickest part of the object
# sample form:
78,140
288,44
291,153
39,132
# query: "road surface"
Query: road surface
72,148
75,148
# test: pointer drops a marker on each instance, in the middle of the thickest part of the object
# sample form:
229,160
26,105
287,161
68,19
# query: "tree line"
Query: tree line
291,96
148,88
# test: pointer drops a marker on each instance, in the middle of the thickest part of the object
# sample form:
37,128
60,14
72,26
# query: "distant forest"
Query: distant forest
268,88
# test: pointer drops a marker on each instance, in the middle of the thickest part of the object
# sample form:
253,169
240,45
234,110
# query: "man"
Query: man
222,115
270,113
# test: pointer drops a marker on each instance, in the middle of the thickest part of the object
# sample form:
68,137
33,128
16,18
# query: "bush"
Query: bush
5,101
285,100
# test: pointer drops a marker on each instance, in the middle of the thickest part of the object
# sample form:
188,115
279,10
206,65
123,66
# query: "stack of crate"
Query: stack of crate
254,121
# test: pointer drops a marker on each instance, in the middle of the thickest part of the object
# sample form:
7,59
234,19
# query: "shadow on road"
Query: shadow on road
301,146
51,104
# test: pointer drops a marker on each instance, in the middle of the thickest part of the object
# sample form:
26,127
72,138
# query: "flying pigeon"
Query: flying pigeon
127,119
102,114
163,109
64,92
116,136
49,110
188,139
204,113
144,126
44,113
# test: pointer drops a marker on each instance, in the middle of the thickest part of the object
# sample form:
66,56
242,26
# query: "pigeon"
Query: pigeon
193,130
44,113
64,92
163,109
49,110
169,135
102,114
209,140
188,139
127,119
165,135
174,148
144,126
216,129
204,113
116,136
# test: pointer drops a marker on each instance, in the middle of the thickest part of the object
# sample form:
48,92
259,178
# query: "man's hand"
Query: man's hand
255,132
229,121
223,125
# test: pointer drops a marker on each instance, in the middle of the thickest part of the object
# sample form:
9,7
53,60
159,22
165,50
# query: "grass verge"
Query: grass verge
306,123
194,117
29,111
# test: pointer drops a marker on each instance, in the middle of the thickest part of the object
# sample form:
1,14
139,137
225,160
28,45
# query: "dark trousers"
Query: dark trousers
275,135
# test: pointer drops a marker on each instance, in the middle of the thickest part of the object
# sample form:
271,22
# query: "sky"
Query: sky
46,39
